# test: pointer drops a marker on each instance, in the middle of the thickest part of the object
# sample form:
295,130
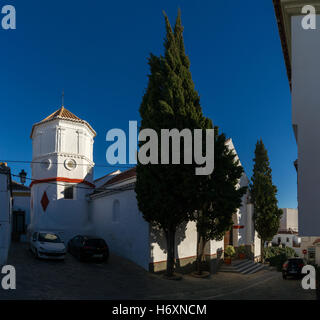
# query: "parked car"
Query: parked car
47,245
292,267
87,248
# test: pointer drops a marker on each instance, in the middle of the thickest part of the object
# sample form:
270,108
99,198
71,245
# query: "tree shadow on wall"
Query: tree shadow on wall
157,236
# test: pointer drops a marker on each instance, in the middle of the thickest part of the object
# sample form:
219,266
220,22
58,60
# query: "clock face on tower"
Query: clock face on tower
70,164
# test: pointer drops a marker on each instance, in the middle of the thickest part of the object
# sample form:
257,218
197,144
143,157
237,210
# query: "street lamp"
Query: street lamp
22,176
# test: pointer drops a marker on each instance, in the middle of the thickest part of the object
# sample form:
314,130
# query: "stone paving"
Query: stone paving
122,279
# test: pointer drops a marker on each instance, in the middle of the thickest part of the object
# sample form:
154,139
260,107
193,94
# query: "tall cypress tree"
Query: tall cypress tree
166,193
219,196
266,215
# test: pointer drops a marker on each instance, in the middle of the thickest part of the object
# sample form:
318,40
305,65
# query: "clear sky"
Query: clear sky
97,52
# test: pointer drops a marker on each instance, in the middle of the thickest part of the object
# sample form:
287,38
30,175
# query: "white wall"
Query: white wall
289,219
306,117
67,216
284,239
5,218
186,243
22,203
127,234
58,142
257,245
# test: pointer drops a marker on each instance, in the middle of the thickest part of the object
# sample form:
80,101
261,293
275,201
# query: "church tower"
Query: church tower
62,173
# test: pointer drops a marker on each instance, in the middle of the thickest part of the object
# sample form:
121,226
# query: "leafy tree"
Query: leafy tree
219,196
266,215
166,193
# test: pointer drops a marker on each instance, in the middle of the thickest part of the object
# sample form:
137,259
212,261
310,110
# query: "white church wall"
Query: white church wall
257,246
63,153
123,227
186,243
5,218
216,246
69,216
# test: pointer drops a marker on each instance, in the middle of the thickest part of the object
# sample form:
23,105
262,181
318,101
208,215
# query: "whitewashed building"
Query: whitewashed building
5,212
67,200
21,210
301,49
62,174
288,231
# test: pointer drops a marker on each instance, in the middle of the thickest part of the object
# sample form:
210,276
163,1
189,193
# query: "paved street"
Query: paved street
121,279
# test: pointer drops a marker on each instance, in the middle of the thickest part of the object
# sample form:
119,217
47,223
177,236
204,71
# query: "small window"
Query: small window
68,193
115,211
312,254
288,240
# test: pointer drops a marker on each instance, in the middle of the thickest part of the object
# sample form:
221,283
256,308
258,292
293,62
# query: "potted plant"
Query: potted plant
242,251
229,252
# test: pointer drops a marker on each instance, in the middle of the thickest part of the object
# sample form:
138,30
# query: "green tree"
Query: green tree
220,195
266,215
166,193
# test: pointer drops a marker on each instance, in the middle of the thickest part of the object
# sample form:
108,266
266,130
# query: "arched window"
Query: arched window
116,211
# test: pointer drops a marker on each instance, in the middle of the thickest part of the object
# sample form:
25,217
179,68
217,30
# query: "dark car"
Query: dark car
88,248
292,267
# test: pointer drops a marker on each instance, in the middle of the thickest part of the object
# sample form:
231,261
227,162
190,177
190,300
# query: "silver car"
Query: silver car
47,245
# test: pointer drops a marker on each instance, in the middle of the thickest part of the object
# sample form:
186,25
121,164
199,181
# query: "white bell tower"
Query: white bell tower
62,173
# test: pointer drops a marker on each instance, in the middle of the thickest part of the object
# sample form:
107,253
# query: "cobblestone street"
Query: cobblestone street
121,279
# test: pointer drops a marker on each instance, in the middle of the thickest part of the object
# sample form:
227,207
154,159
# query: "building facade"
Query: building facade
62,174
301,49
21,211
288,231
5,212
65,199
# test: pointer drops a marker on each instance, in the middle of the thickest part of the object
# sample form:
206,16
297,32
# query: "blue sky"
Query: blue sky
97,52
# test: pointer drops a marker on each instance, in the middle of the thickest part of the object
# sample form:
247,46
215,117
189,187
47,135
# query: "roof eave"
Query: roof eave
66,119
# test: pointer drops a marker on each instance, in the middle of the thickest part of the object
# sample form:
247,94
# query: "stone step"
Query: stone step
244,267
257,268
240,262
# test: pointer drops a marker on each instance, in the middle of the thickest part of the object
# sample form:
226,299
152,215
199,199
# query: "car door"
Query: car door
77,244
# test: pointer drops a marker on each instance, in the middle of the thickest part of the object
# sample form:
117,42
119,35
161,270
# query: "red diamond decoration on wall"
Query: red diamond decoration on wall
44,201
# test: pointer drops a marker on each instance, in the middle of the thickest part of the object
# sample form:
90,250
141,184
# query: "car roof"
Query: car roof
88,237
44,231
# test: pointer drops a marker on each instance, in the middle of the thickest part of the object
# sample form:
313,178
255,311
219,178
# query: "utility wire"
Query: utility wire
76,186
80,164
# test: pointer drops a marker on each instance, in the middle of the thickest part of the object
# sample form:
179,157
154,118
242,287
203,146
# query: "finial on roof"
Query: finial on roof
62,99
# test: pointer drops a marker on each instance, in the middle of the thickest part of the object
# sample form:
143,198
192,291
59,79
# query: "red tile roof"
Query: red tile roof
125,175
63,114
18,186
316,241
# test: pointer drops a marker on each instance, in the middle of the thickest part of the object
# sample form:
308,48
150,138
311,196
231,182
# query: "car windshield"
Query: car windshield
296,261
95,243
49,237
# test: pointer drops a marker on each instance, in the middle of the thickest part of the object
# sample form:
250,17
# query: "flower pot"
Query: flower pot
227,260
242,256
